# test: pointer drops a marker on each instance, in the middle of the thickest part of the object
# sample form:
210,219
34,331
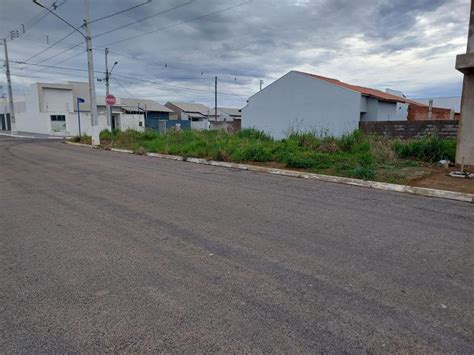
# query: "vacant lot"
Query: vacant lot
355,155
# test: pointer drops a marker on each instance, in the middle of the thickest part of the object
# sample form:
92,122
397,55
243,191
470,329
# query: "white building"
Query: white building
306,102
52,109
226,114
197,114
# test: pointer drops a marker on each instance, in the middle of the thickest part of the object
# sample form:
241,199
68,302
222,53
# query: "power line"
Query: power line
56,64
177,24
120,12
123,88
51,46
124,76
174,86
165,66
76,29
143,19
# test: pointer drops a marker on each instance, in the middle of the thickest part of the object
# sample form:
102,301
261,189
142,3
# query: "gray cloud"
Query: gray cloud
410,44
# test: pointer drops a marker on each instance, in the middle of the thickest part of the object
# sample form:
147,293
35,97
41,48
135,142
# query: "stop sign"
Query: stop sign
110,100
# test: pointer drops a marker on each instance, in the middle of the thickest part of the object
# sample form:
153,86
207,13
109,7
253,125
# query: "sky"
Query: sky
171,50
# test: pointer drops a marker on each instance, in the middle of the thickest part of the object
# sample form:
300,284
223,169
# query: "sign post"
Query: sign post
110,100
80,101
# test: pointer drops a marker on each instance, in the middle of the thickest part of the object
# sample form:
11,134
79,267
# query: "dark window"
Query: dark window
58,118
140,124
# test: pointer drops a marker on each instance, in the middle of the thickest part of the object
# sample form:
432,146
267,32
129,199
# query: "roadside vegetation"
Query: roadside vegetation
355,155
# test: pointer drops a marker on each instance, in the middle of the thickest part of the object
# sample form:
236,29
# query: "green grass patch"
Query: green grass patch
354,155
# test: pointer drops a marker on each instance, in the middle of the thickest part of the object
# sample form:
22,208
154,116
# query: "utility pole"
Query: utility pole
90,64
261,85
215,98
465,64
10,91
108,109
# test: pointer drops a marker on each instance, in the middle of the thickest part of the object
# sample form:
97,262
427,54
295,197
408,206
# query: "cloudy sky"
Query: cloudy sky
173,49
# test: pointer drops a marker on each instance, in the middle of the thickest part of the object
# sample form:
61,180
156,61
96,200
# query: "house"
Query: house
198,114
306,102
226,114
52,108
152,110
452,103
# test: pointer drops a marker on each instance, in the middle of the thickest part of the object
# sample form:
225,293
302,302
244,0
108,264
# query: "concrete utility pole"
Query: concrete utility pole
10,91
107,89
90,64
215,107
465,64
261,85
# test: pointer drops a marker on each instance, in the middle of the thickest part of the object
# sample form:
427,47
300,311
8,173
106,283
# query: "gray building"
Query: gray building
306,102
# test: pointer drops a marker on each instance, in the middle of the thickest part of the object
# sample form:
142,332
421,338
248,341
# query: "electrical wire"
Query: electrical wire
126,77
174,86
177,24
120,12
76,29
143,19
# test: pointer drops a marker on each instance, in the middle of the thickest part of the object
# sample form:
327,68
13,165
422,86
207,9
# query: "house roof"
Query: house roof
384,96
230,111
149,104
192,107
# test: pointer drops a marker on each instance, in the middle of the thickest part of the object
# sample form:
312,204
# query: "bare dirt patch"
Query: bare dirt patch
439,179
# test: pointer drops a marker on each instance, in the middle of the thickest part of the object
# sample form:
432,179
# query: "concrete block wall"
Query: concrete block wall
412,129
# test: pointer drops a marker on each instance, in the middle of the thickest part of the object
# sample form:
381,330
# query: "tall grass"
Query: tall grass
354,155
428,149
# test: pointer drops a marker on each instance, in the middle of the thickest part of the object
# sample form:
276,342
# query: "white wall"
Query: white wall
387,111
132,122
57,100
299,102
200,125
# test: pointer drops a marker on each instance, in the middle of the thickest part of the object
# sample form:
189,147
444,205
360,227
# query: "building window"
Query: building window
140,124
58,118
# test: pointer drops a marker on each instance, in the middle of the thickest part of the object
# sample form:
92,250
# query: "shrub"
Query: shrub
105,135
428,149
363,172
349,142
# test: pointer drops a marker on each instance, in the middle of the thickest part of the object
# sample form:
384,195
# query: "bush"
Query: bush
428,149
363,172
105,135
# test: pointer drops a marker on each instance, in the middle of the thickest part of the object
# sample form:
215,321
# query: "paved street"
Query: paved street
103,251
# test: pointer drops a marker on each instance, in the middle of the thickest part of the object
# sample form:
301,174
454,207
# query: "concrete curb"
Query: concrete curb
422,191
29,137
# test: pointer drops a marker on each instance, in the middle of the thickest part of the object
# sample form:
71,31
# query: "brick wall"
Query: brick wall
412,129
420,113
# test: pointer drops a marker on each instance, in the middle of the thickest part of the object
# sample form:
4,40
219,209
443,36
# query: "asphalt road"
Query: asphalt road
102,251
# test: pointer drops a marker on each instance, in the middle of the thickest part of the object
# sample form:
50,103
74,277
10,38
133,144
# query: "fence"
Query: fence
411,129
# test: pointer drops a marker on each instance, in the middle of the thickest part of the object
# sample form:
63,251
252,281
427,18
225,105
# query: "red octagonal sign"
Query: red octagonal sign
110,100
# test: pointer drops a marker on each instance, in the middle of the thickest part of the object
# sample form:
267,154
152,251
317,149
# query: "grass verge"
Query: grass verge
354,155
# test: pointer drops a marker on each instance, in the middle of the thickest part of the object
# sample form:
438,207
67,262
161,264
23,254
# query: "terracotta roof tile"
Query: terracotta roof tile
365,91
